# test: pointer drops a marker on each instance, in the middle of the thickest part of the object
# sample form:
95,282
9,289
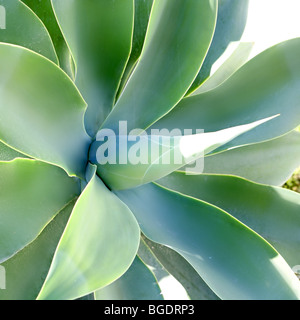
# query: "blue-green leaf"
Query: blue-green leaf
271,162
233,260
135,160
257,90
178,36
273,212
138,283
99,34
231,22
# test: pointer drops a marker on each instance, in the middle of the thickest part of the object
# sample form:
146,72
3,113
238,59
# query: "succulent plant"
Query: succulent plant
88,89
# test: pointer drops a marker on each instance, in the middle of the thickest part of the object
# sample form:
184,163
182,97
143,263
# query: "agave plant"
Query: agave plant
73,223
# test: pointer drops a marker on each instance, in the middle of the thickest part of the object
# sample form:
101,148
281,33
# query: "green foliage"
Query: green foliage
73,228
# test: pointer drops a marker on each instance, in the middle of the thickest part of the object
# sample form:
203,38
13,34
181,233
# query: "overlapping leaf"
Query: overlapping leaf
231,21
238,57
44,10
99,34
138,283
174,264
99,244
233,260
271,211
41,110
135,160
271,162
27,270
178,36
142,9
257,90
24,28
32,193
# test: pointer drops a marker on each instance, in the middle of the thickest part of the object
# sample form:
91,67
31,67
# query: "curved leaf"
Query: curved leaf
41,110
26,271
257,90
99,34
171,289
142,10
234,261
237,59
44,10
32,193
271,211
177,40
138,283
231,22
24,28
99,244
135,160
271,162
179,268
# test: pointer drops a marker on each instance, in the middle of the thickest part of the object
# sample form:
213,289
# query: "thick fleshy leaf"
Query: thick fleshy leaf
179,268
8,154
231,21
41,110
257,90
24,28
98,246
44,10
142,9
99,34
125,162
233,260
27,270
32,193
240,53
138,283
272,212
177,40
271,162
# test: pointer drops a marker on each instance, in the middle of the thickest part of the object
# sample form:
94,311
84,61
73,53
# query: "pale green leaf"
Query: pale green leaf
24,28
32,193
98,246
41,110
27,270
44,10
